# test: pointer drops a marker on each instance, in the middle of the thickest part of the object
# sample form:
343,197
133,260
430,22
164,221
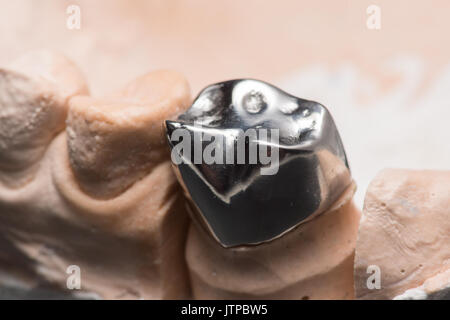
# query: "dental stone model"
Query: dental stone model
404,233
87,182
100,194
261,232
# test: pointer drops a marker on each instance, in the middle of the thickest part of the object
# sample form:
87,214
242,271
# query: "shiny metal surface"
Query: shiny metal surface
236,202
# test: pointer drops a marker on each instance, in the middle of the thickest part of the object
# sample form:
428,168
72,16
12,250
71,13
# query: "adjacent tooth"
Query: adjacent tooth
127,247
115,141
250,202
34,91
404,235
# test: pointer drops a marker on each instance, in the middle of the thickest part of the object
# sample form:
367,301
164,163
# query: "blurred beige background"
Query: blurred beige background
388,89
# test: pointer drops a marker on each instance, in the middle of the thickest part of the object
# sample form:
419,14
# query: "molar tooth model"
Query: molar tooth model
272,202
95,192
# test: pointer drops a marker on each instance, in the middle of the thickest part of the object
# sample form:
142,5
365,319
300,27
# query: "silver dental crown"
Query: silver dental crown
234,200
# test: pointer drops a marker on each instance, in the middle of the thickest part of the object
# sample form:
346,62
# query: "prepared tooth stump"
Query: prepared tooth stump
270,192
